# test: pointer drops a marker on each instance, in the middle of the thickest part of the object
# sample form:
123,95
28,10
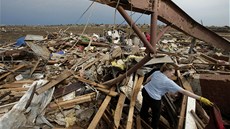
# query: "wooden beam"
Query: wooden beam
164,122
181,120
55,81
118,110
133,101
108,92
17,84
69,103
198,121
100,111
6,74
138,122
61,91
15,89
91,82
180,124
35,66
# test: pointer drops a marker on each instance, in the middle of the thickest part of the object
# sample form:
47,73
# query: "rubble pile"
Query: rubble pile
59,80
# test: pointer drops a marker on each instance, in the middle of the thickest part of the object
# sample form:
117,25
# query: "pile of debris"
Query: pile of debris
63,80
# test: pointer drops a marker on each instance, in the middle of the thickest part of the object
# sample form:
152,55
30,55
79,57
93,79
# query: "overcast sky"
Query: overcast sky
50,12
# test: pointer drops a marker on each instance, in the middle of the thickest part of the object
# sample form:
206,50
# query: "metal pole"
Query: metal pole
162,32
153,29
129,72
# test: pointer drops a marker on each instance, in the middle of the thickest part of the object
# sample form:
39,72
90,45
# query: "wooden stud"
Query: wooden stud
118,110
100,111
55,81
133,101
6,74
91,82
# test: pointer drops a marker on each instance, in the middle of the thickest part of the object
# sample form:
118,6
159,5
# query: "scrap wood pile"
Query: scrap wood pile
60,81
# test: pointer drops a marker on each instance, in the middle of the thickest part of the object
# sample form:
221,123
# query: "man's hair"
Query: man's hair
166,67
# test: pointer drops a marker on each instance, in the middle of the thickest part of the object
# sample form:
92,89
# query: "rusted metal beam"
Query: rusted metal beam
135,29
138,65
162,32
153,28
129,72
169,13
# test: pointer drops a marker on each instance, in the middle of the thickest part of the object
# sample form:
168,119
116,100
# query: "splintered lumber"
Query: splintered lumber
6,74
170,108
198,121
164,122
91,82
100,111
138,122
208,58
5,94
5,108
108,121
17,84
191,105
90,64
61,91
35,66
69,103
133,101
118,110
55,81
180,124
95,44
108,92
15,89
202,113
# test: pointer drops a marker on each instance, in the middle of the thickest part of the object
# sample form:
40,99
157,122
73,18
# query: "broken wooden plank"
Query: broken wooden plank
133,101
41,51
100,111
35,66
108,92
61,91
180,123
55,81
118,110
5,94
5,108
208,58
91,82
73,102
170,109
164,122
6,74
198,121
92,63
202,113
15,89
108,121
17,84
138,122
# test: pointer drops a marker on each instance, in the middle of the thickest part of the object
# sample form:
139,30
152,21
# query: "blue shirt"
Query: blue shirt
159,85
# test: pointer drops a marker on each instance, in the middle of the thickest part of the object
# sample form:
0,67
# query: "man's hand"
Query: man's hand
206,101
